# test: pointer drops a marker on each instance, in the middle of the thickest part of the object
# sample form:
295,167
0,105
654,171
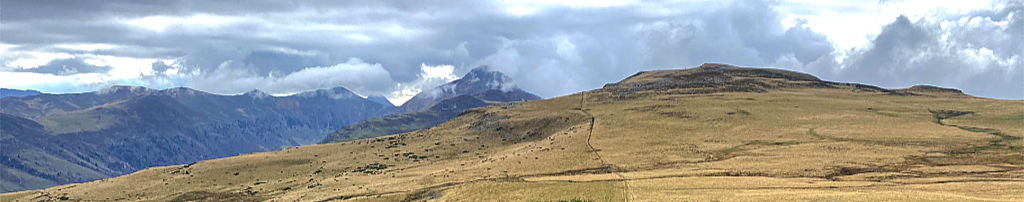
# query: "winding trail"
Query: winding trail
612,168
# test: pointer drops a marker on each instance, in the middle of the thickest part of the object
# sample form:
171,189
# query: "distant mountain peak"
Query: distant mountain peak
479,87
181,91
485,76
478,80
336,93
481,70
256,93
124,89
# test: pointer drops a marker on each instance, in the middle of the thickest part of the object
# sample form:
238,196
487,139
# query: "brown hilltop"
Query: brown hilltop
716,73
717,78
932,89
709,78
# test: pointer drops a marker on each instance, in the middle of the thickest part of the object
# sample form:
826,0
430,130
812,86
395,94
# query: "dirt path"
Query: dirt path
614,172
614,169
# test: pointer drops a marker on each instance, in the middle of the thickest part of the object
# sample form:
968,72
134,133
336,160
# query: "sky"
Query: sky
399,48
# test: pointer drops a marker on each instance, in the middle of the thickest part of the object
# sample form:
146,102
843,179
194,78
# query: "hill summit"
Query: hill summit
717,78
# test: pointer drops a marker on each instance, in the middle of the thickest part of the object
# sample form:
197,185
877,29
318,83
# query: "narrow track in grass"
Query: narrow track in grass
612,168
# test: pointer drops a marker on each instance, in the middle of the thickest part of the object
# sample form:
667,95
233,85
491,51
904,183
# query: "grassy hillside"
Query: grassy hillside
710,133
442,111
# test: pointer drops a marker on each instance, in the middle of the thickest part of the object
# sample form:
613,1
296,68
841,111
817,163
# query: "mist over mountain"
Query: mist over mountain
480,87
477,81
53,139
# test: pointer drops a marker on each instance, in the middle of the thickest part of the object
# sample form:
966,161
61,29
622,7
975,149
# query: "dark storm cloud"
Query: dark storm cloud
564,51
161,66
290,46
67,67
272,61
743,34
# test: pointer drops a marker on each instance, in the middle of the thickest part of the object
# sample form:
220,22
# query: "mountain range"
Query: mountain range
53,139
711,133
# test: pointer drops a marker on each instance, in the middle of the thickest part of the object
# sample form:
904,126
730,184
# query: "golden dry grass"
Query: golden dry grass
792,144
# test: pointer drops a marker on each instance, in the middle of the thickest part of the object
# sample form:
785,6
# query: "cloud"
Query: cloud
742,34
67,67
978,52
430,77
592,48
88,81
363,78
548,48
354,74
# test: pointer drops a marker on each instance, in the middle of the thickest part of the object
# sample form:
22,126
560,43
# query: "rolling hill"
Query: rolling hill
711,133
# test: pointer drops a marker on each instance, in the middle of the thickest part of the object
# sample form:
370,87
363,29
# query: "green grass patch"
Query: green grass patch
814,134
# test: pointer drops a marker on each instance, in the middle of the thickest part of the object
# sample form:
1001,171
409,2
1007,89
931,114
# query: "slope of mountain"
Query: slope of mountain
380,100
6,92
53,139
480,87
713,133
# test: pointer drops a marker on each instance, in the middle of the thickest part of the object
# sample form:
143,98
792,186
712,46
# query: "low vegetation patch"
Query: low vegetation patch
371,168
945,114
